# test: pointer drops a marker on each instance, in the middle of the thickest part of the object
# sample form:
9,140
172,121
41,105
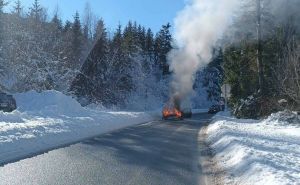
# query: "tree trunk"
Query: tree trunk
259,50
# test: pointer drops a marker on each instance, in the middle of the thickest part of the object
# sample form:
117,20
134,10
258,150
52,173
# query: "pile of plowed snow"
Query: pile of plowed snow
48,103
51,119
257,152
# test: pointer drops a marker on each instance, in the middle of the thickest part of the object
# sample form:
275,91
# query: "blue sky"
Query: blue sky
150,13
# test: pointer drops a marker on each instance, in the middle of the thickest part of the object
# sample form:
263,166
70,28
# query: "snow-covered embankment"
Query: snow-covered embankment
50,119
257,152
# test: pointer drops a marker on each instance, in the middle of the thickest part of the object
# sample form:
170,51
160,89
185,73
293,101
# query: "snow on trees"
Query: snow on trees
80,57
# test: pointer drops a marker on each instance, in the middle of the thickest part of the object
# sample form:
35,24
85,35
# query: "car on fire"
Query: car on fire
175,108
7,102
171,113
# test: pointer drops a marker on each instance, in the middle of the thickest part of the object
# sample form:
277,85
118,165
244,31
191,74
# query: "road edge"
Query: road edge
210,171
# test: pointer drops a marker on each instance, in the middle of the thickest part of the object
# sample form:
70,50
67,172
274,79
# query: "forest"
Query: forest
128,68
262,58
80,57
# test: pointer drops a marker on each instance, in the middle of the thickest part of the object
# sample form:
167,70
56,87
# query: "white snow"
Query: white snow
51,119
257,152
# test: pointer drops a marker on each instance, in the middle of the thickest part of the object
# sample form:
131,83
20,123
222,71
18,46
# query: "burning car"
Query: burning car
173,110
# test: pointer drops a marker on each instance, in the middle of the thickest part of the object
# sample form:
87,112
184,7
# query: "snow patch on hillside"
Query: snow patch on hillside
257,152
51,119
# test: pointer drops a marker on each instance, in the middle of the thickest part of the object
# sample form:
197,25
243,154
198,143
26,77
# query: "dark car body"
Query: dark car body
214,109
222,103
172,117
7,102
186,113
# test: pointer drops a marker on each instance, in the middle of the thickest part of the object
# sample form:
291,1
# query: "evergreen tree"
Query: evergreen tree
91,83
57,22
141,37
241,70
67,26
116,49
2,5
214,76
121,64
149,45
163,45
128,34
36,11
17,9
56,37
77,37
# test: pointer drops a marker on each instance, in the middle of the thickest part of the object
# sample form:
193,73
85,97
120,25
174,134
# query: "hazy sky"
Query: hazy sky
151,13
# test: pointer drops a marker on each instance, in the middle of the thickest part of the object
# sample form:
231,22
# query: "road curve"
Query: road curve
158,153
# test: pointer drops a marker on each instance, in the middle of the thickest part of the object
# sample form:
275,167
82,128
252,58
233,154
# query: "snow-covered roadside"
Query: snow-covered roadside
50,119
256,152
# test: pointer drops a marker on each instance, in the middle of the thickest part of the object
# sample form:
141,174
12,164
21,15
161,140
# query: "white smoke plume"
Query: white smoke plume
198,27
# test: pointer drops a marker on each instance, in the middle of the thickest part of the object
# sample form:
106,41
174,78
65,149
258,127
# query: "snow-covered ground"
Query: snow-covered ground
257,152
50,119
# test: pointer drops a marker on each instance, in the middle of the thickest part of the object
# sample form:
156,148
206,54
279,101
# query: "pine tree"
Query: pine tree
163,46
36,11
149,45
76,41
214,76
91,82
85,33
129,46
2,5
57,22
17,9
141,33
67,39
67,26
56,33
241,70
116,49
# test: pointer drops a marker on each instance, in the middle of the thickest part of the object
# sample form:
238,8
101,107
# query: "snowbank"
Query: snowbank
51,119
257,152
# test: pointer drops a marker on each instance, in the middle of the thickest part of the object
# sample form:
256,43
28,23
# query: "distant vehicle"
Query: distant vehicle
7,102
214,109
222,103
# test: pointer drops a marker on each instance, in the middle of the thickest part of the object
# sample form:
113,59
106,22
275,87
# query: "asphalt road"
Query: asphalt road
160,152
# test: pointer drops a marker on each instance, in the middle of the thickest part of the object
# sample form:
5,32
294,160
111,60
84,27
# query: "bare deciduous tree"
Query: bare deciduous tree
288,72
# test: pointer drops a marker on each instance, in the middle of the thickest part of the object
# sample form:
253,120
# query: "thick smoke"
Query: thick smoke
197,30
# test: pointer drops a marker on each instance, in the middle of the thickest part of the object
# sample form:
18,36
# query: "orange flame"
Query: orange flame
171,112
